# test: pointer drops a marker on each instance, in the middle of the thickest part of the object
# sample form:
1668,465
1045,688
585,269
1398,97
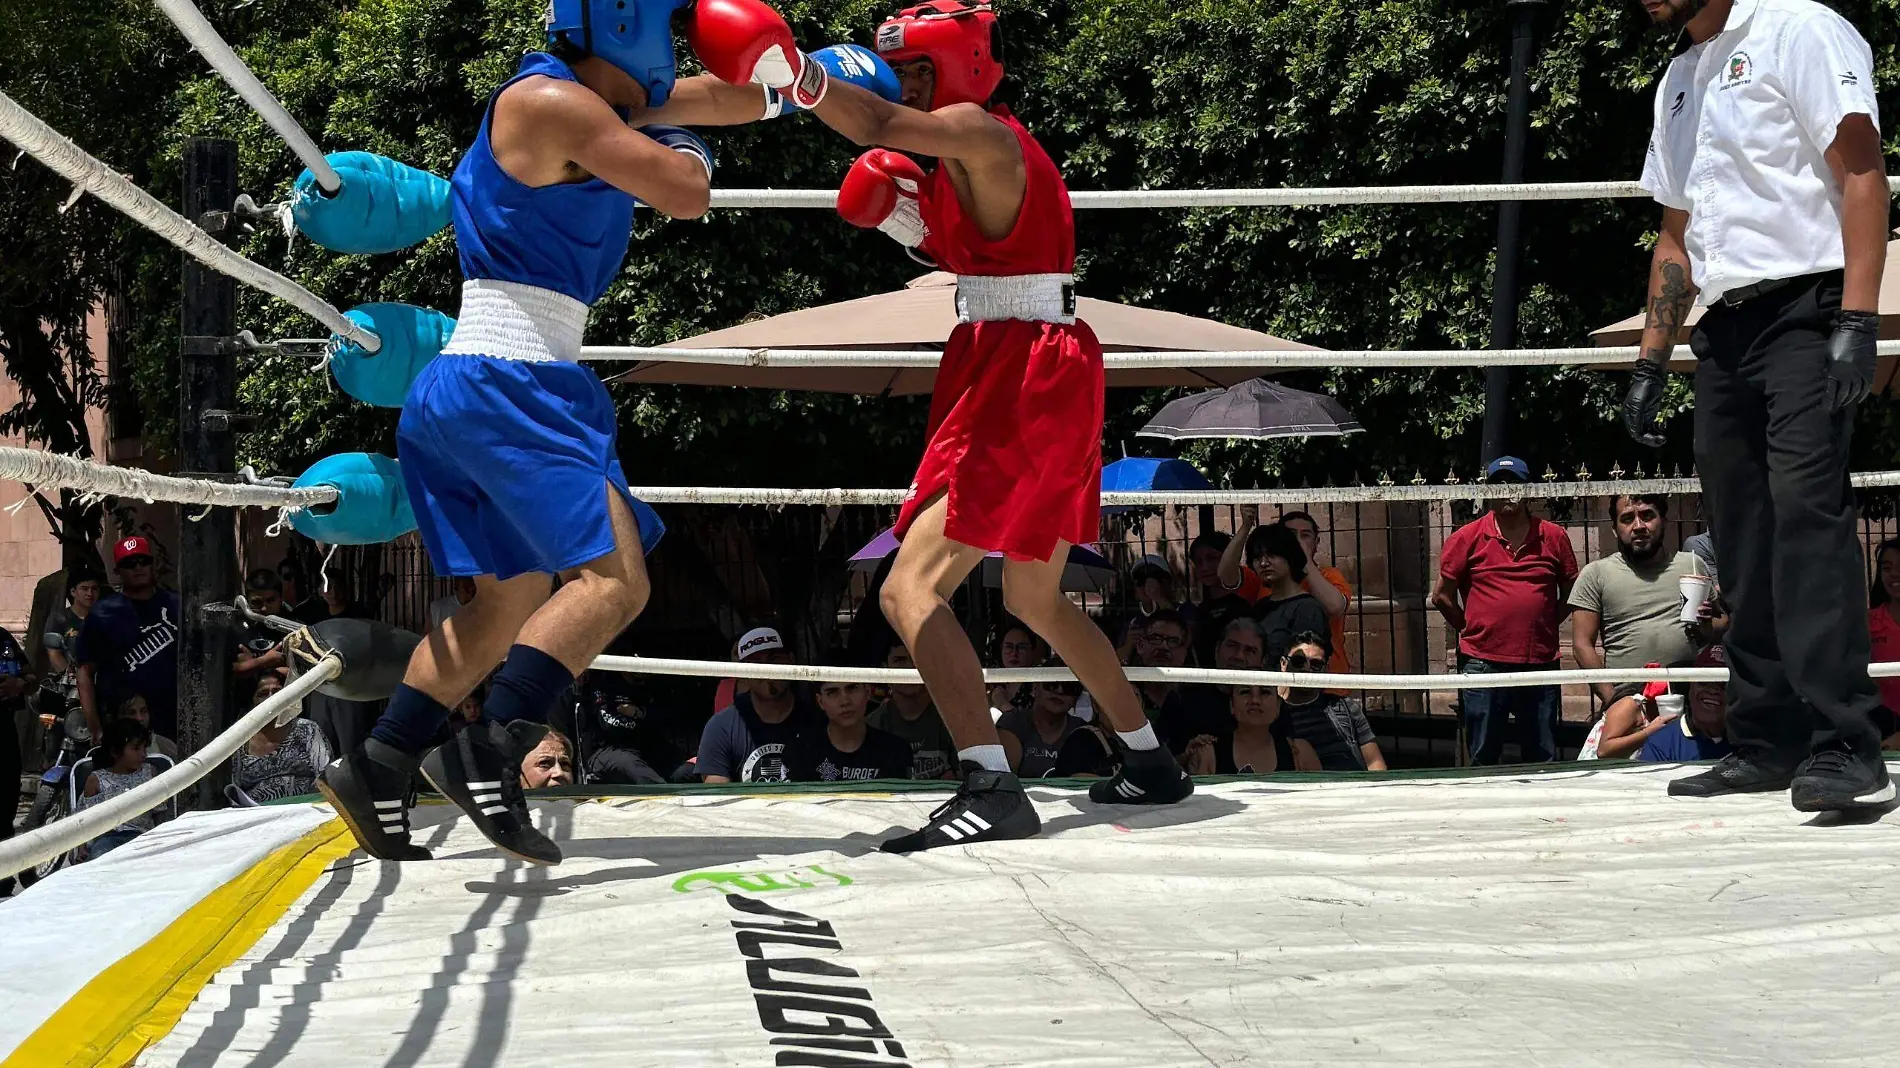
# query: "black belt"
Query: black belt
1743,294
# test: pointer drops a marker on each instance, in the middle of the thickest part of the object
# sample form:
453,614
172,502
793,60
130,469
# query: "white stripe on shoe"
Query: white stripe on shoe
390,804
486,798
496,785
490,810
1128,789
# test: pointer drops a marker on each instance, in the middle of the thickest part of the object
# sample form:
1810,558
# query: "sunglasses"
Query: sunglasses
1302,662
135,561
1067,689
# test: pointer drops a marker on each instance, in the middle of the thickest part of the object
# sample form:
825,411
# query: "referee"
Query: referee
1766,158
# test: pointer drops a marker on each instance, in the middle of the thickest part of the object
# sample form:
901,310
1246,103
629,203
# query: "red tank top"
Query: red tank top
1043,241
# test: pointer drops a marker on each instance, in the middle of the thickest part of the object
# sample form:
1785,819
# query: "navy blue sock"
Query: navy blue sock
411,721
526,687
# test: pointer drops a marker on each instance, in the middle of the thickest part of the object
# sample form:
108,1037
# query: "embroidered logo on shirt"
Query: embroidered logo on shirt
1741,71
1848,77
1676,108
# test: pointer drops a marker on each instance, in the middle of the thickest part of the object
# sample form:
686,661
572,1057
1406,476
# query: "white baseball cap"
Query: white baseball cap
759,640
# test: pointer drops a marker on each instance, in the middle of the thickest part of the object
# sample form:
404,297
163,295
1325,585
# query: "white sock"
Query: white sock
991,757
1141,739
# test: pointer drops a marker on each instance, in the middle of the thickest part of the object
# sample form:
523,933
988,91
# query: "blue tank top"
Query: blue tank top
571,238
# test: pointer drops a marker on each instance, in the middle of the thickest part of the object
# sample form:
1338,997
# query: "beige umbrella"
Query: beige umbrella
920,317
1630,331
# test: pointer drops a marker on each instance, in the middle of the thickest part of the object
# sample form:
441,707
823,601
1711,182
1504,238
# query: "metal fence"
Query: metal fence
722,569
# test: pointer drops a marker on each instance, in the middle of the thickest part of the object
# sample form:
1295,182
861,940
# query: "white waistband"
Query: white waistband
512,321
1038,298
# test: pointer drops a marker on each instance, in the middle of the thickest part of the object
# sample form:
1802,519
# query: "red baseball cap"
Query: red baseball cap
128,547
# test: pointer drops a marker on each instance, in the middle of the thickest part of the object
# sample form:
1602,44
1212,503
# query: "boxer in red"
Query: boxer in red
1014,459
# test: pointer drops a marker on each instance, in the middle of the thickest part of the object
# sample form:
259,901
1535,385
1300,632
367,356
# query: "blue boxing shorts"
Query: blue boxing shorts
507,464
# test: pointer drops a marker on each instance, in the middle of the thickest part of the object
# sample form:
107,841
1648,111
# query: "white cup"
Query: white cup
1695,591
1669,706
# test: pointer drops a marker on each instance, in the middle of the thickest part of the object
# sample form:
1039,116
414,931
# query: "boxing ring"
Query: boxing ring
1573,914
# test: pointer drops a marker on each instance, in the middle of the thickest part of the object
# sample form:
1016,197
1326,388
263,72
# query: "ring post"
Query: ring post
207,557
1504,287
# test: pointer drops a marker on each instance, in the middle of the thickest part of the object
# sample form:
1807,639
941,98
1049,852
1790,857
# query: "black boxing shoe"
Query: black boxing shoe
371,789
990,806
480,770
1146,777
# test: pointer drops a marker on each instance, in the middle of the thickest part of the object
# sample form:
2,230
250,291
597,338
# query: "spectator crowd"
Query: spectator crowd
1260,599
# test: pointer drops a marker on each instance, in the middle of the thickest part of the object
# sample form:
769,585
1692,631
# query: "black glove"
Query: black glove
1850,357
1642,406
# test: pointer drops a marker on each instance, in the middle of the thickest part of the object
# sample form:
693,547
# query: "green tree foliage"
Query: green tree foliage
87,71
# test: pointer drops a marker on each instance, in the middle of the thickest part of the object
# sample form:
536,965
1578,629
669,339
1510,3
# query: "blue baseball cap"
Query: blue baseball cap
1507,468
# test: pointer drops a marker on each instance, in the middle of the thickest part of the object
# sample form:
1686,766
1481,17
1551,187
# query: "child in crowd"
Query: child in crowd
134,707
122,767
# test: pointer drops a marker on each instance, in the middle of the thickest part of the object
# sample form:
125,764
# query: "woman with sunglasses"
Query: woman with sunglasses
1335,727
1257,745
1032,738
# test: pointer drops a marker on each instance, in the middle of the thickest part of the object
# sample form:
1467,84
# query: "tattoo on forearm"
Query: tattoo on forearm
1668,308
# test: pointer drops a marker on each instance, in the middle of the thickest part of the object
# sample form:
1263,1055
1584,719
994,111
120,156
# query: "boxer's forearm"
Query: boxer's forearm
704,100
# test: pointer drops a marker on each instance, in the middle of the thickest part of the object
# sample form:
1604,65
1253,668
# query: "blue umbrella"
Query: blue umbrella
1140,473
1143,473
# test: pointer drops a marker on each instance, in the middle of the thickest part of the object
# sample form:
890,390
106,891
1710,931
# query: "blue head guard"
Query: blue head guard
634,35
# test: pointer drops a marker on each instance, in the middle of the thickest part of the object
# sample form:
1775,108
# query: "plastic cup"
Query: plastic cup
1669,705
1695,591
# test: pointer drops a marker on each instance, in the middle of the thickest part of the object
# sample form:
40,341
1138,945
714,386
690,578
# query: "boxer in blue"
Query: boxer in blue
506,442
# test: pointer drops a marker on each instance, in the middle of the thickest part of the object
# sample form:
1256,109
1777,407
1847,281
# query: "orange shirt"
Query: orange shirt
1340,663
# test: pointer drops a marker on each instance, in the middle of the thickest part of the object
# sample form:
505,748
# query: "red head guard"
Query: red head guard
960,38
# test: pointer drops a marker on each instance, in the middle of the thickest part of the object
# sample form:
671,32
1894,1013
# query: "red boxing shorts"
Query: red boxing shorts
1015,438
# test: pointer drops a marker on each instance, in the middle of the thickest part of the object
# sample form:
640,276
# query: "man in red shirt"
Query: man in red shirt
1503,583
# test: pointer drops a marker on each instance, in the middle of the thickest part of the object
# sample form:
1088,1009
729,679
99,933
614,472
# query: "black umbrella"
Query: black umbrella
1256,408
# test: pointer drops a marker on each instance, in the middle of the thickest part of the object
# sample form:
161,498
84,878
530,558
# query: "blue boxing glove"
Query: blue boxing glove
682,140
846,63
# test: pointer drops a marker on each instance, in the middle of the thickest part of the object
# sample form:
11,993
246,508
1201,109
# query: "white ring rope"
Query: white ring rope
1254,198
721,669
60,155
48,470
192,23
41,468
45,843
1277,495
1262,359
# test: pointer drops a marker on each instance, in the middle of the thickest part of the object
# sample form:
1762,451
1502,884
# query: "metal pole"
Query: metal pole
207,555
1504,290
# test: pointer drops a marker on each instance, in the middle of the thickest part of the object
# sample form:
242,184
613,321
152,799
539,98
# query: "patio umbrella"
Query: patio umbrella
920,316
1255,408
1086,572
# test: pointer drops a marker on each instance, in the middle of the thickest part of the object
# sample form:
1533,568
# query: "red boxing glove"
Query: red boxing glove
883,189
743,41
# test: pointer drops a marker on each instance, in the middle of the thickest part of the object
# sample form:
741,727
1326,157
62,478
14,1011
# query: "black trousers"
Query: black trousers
1774,466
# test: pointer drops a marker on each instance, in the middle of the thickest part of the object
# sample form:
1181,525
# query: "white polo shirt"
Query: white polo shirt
1742,122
